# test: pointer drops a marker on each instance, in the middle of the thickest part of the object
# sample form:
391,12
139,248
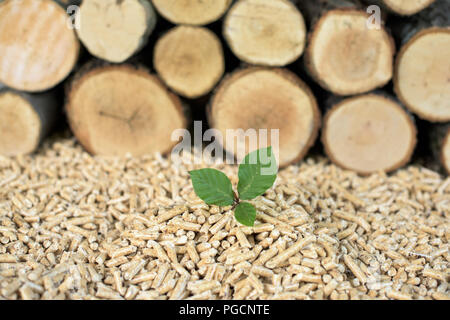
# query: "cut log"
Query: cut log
38,49
422,80
190,60
115,30
369,133
402,7
116,109
261,98
347,58
343,55
265,32
191,12
25,119
440,144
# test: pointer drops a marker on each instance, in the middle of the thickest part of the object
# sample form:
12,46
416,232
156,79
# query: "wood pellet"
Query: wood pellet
76,226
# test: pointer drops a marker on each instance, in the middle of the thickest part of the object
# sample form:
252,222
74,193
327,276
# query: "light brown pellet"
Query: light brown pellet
355,269
398,295
180,287
123,251
116,261
171,213
284,255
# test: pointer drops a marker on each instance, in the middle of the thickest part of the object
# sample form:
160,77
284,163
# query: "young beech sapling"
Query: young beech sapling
257,173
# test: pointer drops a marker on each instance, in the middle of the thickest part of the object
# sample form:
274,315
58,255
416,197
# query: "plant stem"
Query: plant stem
236,200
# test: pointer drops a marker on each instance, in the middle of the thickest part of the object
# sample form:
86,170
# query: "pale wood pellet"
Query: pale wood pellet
74,226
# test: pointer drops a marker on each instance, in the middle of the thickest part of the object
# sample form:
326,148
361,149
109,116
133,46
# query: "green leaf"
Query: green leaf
212,186
245,213
257,173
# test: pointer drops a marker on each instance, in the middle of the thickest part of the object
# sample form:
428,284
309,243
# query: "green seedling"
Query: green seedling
257,173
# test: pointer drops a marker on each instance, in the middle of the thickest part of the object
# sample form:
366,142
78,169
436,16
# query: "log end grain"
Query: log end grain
38,49
260,98
191,12
114,30
422,80
368,133
113,110
345,56
20,125
407,8
190,60
265,32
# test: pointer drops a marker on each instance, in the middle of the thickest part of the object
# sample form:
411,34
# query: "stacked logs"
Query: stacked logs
298,60
268,35
38,52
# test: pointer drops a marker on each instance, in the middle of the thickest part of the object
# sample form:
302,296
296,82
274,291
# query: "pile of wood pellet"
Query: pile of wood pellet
74,226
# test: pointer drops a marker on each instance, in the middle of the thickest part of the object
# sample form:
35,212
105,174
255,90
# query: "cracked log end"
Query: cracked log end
113,110
20,125
368,133
115,30
265,32
191,12
38,49
190,60
346,57
408,7
260,98
422,80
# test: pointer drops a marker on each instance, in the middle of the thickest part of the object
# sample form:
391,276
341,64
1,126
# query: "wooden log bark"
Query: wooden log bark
116,109
38,49
368,133
402,7
67,3
312,11
192,12
190,60
436,15
25,120
421,79
440,145
265,32
343,55
262,98
115,30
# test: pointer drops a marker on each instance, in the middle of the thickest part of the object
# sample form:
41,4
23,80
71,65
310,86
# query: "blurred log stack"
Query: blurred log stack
37,52
268,34
296,56
422,72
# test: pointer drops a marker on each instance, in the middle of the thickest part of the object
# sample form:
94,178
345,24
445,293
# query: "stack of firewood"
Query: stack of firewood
364,72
